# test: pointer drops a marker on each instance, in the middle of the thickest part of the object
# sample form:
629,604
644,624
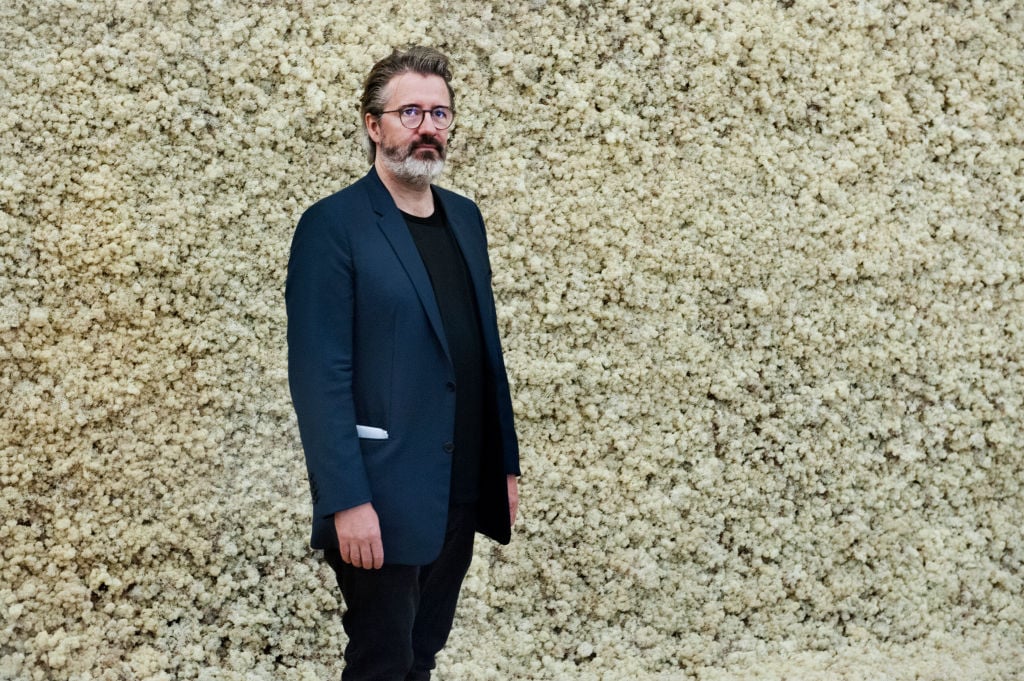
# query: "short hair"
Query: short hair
425,61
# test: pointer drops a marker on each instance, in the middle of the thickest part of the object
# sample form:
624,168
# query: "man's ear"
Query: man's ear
372,127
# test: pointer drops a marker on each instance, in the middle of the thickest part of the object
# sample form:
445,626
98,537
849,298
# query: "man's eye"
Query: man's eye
411,111
440,114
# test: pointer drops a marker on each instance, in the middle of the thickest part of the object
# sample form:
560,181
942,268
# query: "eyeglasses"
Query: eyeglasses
412,116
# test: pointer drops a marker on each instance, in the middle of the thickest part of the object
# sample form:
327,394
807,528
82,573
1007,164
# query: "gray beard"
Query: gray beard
415,171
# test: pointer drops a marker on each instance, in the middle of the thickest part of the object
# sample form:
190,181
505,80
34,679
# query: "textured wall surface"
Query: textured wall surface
759,271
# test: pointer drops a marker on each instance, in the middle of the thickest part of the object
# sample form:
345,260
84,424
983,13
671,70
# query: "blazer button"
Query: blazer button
449,447
451,386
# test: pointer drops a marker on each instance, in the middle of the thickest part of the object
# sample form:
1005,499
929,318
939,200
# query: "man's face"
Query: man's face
413,155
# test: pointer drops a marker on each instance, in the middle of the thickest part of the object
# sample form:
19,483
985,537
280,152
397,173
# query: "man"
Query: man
397,378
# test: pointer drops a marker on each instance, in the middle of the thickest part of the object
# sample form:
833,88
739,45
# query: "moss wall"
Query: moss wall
759,272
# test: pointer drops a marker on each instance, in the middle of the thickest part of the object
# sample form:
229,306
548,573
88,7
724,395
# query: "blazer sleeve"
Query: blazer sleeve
319,297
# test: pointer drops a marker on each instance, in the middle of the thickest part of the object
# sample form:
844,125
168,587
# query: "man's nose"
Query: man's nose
427,116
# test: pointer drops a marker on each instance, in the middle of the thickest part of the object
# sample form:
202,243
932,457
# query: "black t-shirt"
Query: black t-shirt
453,289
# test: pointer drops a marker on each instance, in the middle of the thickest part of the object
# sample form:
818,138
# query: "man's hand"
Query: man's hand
359,542
513,498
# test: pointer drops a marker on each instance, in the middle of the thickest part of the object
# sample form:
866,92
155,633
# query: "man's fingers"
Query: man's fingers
359,557
371,555
377,551
513,498
367,554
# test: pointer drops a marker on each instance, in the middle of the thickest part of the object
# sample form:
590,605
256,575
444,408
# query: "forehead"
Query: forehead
417,88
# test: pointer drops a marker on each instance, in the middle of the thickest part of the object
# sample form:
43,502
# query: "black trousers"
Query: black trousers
398,618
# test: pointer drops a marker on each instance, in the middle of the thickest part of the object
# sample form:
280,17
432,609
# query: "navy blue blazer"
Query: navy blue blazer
370,376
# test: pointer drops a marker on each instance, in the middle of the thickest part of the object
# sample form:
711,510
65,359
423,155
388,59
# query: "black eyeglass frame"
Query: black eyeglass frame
423,114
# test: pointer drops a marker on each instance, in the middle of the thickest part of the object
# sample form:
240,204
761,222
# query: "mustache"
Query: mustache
428,142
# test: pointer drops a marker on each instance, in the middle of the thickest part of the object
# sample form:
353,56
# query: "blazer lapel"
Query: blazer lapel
474,250
391,222
469,233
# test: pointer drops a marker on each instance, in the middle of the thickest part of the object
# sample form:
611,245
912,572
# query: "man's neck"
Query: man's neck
412,199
